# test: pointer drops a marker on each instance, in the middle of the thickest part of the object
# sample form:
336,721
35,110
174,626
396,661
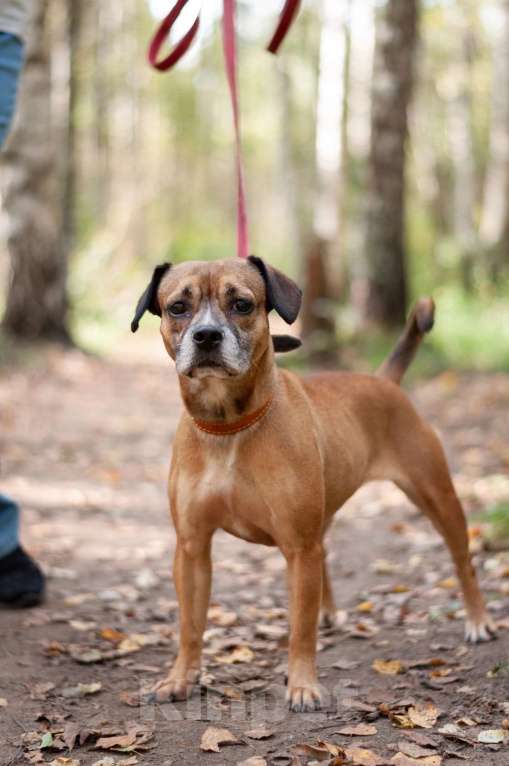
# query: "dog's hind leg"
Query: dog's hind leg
426,481
328,607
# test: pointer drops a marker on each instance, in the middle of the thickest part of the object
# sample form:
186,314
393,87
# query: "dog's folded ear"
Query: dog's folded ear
283,343
148,300
282,293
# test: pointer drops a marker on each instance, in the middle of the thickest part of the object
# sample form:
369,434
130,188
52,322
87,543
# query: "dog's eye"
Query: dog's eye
177,309
242,306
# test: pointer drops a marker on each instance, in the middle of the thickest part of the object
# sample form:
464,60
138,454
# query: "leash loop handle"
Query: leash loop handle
162,33
288,14
230,57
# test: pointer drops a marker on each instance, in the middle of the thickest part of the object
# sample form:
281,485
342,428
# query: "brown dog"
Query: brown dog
270,457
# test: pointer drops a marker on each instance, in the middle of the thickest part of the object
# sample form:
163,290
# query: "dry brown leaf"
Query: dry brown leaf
424,715
322,751
239,654
345,664
219,616
112,635
388,667
414,750
365,606
449,583
492,736
71,733
81,690
85,654
40,691
213,738
360,730
362,757
400,759
62,761
260,732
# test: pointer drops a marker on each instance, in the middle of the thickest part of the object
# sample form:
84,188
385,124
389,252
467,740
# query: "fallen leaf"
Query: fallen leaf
449,583
84,654
345,664
239,654
271,632
62,761
212,738
454,732
388,667
414,750
261,732
46,741
362,757
420,739
360,730
365,606
112,635
40,691
400,759
424,715
81,690
82,624
492,736
71,733
219,616
322,751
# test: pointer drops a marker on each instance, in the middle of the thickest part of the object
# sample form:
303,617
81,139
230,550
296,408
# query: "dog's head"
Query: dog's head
214,315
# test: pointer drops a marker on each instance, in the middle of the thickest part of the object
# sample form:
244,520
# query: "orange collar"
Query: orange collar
226,429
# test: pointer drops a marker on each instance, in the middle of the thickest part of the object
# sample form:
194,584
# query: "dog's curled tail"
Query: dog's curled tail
419,323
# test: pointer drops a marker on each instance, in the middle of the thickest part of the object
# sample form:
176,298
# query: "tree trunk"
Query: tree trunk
461,132
393,77
37,305
323,267
494,226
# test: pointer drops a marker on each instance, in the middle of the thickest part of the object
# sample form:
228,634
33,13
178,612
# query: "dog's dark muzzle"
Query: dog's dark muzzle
207,338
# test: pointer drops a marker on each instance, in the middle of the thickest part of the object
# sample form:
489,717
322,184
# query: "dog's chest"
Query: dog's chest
218,490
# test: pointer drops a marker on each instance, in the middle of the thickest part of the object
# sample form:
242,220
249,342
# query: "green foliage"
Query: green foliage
498,519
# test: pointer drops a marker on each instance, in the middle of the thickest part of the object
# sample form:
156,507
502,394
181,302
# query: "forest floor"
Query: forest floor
85,446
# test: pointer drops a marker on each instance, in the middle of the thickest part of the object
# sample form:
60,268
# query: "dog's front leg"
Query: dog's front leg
192,577
305,567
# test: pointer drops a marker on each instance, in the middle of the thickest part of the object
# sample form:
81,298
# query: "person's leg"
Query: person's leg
11,61
21,580
9,526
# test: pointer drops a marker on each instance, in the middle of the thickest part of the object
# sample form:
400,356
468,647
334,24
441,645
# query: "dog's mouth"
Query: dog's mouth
209,367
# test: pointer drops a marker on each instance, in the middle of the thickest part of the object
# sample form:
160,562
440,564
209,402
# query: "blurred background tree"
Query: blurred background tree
377,162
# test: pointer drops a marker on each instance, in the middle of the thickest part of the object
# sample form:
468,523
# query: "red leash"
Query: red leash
230,55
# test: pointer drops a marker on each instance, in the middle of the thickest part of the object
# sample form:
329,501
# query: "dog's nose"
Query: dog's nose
207,338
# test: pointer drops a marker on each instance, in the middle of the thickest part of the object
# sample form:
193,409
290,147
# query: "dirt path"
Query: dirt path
85,448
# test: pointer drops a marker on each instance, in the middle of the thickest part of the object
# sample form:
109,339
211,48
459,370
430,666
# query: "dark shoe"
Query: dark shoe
21,580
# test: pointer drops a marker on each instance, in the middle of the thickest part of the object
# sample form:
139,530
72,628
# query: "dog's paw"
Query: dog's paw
477,631
304,699
332,620
174,688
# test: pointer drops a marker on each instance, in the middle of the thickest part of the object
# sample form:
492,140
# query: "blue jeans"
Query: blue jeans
9,525
11,61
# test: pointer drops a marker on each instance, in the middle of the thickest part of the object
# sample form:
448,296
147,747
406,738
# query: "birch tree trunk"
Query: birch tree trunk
393,78
322,264
494,226
460,123
37,304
